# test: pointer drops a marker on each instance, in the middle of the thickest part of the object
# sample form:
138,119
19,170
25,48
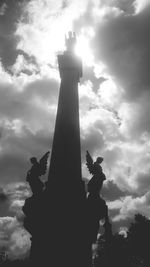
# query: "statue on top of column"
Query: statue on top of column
70,41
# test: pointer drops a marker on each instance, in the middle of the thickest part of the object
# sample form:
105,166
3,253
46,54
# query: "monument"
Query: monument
65,186
61,217
66,151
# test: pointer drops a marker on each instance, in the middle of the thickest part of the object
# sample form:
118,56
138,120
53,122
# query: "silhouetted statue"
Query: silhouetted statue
70,41
34,208
96,206
96,182
33,175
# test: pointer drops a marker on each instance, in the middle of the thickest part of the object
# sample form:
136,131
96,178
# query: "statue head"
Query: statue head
33,160
99,160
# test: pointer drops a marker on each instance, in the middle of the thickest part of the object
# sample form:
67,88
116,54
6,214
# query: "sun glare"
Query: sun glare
83,50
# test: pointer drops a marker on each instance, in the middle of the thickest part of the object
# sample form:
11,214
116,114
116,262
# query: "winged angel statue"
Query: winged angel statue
96,182
38,169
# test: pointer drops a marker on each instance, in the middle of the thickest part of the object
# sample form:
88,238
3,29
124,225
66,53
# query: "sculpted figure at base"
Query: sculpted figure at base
33,207
96,206
33,175
96,182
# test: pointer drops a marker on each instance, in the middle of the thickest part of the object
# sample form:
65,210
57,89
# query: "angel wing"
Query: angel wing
89,163
43,163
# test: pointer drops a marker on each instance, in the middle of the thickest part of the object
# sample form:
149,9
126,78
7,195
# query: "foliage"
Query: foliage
130,251
139,240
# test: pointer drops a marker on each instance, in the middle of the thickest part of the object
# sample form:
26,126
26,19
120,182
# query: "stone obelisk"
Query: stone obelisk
67,199
65,165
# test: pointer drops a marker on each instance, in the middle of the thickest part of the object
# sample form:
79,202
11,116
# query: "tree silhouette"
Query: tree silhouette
116,254
139,240
130,251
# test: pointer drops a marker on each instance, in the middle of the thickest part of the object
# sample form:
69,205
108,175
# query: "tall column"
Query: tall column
65,165
66,194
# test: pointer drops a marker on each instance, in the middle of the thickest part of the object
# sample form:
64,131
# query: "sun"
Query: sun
84,51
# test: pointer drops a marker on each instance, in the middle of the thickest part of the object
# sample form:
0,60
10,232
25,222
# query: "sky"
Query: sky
113,42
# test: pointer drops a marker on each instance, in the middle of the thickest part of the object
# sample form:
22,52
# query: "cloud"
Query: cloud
26,121
141,5
43,38
22,64
10,12
13,196
111,191
3,9
19,244
122,43
129,206
143,181
13,237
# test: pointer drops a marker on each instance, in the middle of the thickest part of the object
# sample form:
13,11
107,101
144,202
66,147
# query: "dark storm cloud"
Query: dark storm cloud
122,42
8,24
16,104
14,161
141,111
143,181
111,191
27,123
12,167
124,5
